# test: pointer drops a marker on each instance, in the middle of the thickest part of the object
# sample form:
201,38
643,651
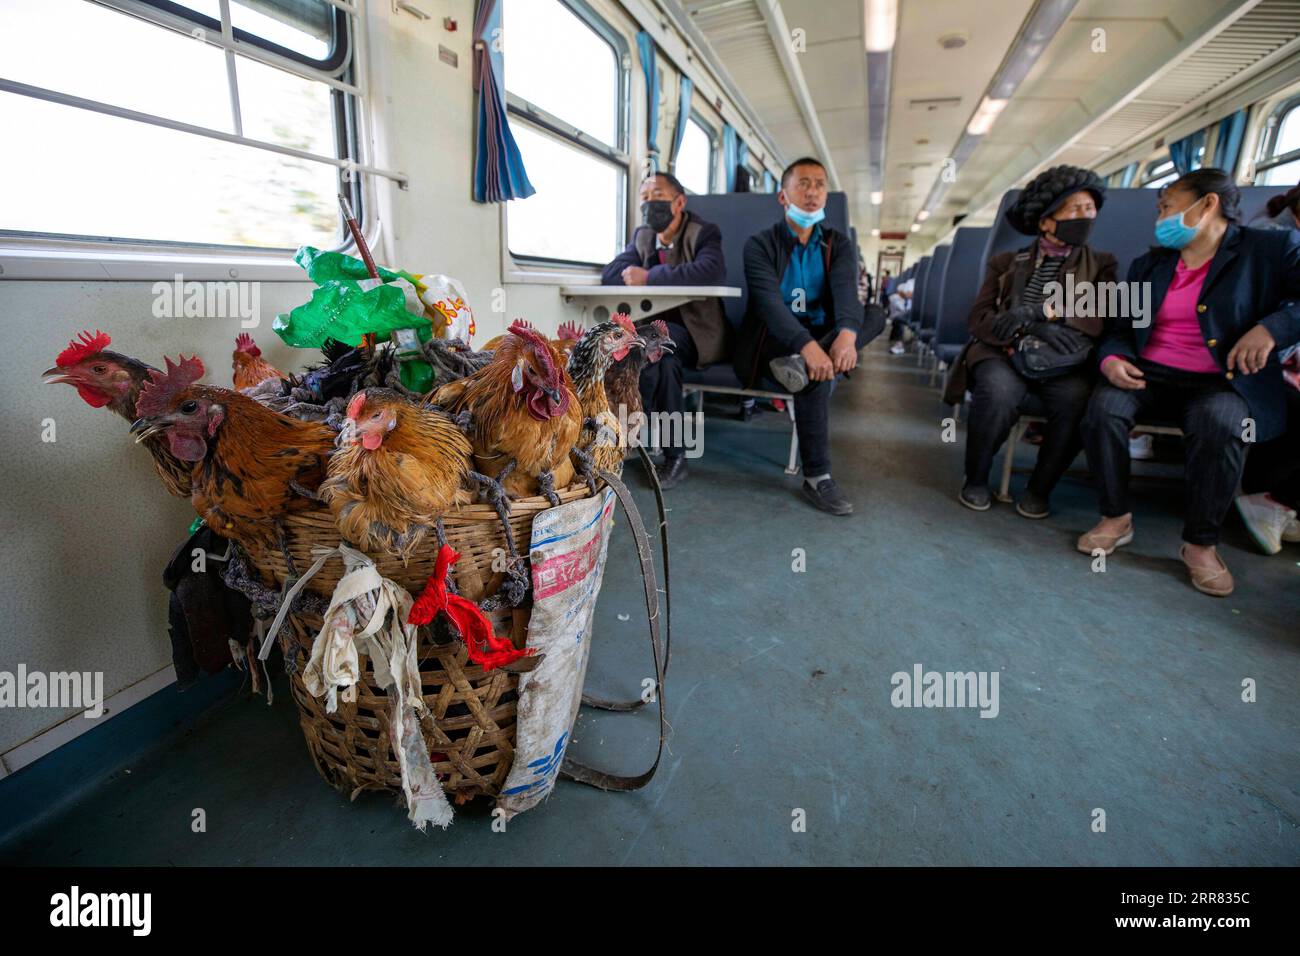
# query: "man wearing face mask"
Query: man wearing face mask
675,247
1225,303
1019,347
804,323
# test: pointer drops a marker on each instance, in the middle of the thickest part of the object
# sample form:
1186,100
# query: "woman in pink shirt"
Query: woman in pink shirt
1224,301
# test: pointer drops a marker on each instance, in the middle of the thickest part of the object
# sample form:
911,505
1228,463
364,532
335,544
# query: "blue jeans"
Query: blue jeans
1211,416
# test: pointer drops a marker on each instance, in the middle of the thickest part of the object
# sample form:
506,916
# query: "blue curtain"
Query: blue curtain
683,113
645,45
1183,152
730,147
498,167
769,182
1232,129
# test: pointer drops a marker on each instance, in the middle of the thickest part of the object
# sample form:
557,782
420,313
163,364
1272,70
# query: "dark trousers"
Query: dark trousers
661,382
1210,414
1274,466
812,419
997,391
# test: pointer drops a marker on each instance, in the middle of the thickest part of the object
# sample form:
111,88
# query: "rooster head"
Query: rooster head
658,342
629,339
100,377
373,415
244,343
535,376
170,405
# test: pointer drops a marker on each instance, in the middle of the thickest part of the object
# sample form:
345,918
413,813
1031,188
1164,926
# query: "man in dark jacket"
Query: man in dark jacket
674,247
804,323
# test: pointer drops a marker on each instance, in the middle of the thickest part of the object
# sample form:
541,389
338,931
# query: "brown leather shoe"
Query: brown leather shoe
1107,543
1216,583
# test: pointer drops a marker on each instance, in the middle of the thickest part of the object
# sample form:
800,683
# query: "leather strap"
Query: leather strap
571,769
602,703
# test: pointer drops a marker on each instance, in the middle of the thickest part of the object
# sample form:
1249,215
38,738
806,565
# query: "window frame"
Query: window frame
1267,159
1149,175
711,134
49,252
547,124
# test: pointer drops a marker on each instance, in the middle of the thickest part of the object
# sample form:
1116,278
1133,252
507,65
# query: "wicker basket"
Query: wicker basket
470,730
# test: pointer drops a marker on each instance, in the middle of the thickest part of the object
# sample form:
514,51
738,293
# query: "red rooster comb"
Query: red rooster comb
541,348
569,331
625,322
244,343
660,326
158,392
83,346
355,405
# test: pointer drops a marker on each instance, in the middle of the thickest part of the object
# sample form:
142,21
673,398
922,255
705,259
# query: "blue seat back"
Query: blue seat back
741,215
918,286
929,314
961,283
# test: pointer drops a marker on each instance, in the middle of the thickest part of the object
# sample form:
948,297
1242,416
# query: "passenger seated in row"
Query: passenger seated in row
803,324
900,305
1020,347
1270,484
1224,299
675,247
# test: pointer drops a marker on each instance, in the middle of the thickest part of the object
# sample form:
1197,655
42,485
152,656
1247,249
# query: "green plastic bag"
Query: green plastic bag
348,303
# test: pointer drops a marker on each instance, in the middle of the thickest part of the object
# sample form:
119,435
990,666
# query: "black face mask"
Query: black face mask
657,214
1073,232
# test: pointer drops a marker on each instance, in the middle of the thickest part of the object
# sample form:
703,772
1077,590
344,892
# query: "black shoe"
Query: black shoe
1032,505
975,497
827,497
747,411
672,472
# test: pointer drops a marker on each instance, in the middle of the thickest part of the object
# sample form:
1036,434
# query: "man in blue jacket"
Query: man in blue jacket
804,323
675,247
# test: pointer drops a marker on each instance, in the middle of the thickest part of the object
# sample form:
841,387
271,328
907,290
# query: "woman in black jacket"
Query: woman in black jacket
1223,300
1013,314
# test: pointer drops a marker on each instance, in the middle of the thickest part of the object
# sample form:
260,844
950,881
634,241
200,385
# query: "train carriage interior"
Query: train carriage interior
965,570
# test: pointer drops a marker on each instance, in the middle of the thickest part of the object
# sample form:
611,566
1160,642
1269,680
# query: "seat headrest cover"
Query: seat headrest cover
1047,191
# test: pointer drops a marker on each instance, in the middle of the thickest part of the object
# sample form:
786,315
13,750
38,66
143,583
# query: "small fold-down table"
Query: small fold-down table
599,302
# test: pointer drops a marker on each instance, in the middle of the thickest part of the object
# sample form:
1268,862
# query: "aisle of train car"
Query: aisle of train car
1118,691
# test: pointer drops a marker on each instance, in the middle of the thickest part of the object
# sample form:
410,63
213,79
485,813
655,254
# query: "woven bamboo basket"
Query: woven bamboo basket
470,728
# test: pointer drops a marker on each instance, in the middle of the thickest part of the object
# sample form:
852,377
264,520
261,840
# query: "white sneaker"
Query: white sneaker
897,349
1291,533
1141,447
1265,519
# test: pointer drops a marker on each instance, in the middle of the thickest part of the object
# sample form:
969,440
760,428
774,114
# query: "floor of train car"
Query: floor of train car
1118,690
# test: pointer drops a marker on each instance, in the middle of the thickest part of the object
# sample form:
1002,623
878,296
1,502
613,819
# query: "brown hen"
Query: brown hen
249,367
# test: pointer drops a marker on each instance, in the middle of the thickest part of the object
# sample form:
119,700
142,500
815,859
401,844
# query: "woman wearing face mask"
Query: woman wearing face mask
1020,346
1223,300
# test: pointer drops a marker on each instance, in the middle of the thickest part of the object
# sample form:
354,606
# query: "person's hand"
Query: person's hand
844,351
1006,325
1122,373
1055,335
635,275
820,366
1251,352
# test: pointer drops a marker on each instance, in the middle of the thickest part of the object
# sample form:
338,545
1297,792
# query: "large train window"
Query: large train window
1279,162
152,121
1159,172
566,89
696,157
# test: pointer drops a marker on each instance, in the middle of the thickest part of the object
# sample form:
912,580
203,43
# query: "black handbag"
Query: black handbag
1038,361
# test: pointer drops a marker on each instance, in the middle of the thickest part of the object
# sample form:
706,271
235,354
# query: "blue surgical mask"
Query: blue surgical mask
802,219
1172,232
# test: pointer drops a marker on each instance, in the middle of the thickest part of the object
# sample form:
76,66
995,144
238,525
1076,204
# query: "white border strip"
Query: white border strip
70,728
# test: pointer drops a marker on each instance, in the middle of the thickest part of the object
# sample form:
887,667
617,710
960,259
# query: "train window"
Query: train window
158,177
565,90
1158,172
1279,164
695,158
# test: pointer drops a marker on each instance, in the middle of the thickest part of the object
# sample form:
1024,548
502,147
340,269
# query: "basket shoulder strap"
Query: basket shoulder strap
581,773
602,703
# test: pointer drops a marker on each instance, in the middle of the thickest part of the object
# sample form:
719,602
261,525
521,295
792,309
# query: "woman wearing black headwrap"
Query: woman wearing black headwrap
1021,348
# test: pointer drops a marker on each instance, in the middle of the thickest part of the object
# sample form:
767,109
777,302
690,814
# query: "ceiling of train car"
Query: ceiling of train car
1088,97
